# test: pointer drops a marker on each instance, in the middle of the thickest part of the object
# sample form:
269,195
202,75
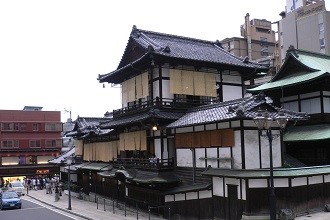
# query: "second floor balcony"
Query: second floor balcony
178,103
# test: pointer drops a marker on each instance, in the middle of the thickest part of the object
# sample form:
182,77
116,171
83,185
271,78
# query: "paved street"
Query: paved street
31,210
82,209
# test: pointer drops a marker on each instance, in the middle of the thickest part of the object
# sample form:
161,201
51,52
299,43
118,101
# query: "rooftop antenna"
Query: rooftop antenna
66,111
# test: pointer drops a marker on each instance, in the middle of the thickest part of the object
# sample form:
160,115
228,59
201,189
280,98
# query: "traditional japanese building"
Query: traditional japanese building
29,138
185,137
302,84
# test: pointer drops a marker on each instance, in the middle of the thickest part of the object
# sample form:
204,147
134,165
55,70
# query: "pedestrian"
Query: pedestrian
57,197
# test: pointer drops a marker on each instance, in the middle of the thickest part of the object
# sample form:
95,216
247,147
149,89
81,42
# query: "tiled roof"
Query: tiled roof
182,48
140,117
227,111
86,126
187,48
312,66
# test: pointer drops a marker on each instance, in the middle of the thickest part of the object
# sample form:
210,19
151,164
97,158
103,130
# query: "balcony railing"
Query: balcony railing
148,164
165,103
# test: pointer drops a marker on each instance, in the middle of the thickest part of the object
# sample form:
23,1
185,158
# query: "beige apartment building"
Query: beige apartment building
257,42
305,24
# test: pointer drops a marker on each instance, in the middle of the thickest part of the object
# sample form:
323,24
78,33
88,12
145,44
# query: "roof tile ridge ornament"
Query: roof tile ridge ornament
292,50
135,32
150,41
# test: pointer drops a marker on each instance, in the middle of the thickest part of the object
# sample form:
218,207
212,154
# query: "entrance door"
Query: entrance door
233,203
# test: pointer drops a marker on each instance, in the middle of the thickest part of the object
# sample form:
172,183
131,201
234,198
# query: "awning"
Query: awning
79,166
96,166
308,133
108,173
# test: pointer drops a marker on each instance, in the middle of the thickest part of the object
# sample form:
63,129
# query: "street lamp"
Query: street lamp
264,122
69,162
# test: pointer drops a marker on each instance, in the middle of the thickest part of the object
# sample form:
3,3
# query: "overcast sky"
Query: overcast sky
51,52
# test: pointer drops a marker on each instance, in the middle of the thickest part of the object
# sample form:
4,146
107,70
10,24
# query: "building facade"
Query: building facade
257,42
29,138
305,25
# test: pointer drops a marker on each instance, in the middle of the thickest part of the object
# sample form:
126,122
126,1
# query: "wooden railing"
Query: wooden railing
150,164
161,103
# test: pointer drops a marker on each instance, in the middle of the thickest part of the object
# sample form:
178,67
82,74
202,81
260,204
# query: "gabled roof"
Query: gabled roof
300,67
159,46
245,108
86,126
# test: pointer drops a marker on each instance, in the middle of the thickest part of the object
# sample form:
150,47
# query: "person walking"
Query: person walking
57,193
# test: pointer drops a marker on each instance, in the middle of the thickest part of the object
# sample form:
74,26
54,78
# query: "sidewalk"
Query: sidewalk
88,210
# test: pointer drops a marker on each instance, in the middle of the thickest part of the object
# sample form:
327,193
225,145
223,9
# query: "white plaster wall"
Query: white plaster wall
232,78
326,101
156,88
180,197
327,178
217,186
281,182
169,198
205,194
165,152
224,152
158,148
184,130
301,181
251,149
276,146
166,89
258,183
199,128
243,186
191,195
200,155
212,152
210,127
315,179
235,124
231,92
223,125
237,155
184,157
309,95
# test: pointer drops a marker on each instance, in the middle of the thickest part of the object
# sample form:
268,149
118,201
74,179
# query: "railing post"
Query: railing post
104,203
169,213
97,203
149,211
137,211
113,207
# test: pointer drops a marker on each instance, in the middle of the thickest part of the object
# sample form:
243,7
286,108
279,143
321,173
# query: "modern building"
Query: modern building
305,25
257,42
29,138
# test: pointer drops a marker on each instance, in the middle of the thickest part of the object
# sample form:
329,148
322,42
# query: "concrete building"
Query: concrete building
257,41
28,139
305,25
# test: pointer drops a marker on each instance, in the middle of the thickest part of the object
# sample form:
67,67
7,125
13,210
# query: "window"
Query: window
321,28
53,127
7,126
34,143
322,43
35,127
53,143
9,144
23,126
